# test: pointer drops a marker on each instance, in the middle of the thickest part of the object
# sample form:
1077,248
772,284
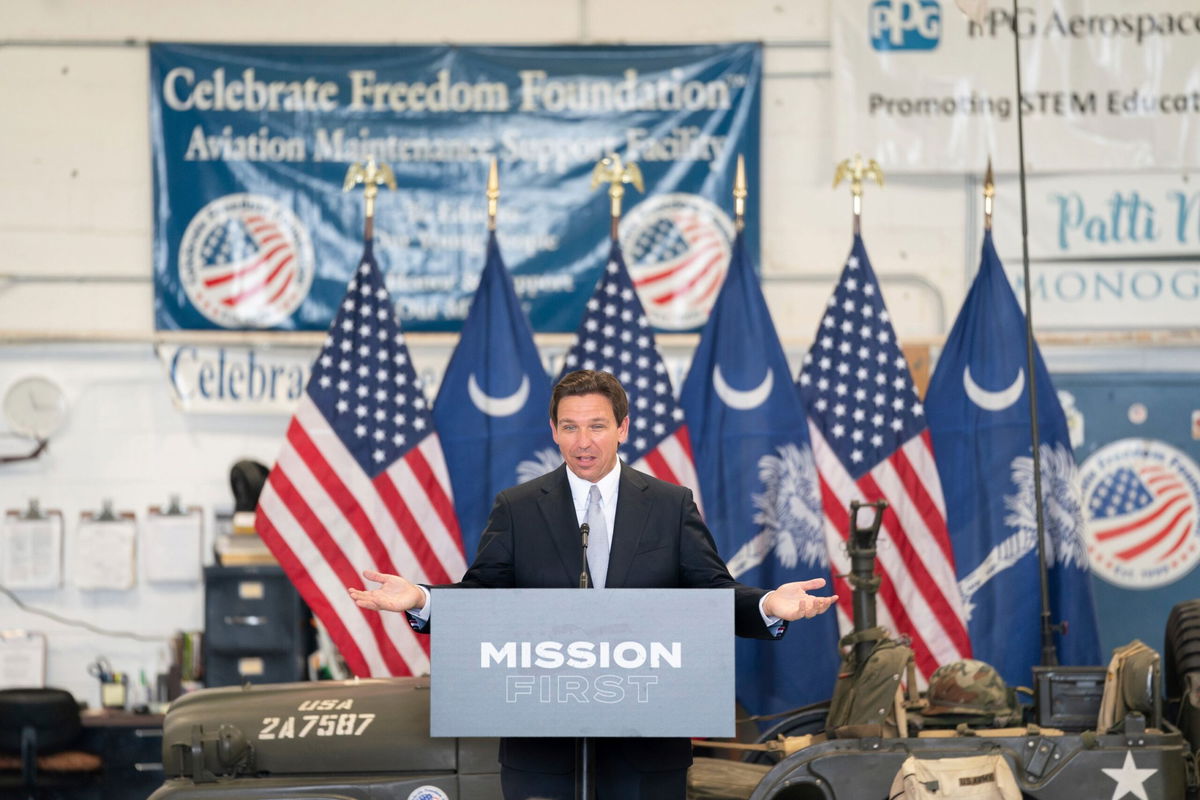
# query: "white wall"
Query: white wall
124,441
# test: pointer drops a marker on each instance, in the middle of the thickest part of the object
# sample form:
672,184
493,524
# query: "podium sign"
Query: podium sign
582,662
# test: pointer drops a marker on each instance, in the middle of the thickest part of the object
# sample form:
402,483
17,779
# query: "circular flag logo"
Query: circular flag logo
677,248
427,793
246,261
1141,498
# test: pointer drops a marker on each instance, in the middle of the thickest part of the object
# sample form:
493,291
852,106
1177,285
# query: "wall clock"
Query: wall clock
35,406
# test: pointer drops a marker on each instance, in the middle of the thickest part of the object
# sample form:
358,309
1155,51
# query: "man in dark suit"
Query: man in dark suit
645,533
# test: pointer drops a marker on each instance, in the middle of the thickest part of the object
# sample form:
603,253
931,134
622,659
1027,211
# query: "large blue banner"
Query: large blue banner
251,146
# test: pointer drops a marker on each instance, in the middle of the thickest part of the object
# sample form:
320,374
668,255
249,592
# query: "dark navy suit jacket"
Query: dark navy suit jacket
659,542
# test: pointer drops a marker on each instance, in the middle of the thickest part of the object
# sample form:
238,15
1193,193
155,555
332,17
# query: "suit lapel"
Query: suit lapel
633,513
558,511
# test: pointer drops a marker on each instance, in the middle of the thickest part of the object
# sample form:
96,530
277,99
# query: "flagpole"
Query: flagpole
989,196
610,170
855,170
1049,652
493,193
371,176
740,192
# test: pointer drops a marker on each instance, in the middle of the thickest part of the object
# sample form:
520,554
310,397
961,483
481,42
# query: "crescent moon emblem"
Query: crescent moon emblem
993,401
498,406
742,401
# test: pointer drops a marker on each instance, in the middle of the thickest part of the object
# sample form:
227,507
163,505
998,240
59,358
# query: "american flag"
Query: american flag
1144,516
249,262
361,483
871,442
616,337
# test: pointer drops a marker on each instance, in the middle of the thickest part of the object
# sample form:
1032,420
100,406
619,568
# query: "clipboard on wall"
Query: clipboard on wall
172,543
105,553
31,547
22,660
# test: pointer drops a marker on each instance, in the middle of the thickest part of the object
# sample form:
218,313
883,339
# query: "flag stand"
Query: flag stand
854,170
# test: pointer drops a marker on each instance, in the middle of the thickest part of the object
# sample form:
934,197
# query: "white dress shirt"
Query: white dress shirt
609,487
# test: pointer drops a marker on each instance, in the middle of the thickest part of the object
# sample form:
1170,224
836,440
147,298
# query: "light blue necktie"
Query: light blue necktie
597,553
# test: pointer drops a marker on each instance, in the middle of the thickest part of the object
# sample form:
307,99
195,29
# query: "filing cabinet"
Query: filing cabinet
256,628
130,746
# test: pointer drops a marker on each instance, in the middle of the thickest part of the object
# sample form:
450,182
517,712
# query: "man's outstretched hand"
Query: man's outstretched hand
791,601
395,593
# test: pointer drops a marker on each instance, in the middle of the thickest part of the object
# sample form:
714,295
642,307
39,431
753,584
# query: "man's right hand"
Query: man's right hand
395,593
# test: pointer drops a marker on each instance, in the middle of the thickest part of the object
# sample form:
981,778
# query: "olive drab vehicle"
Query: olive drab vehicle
969,736
1095,733
327,740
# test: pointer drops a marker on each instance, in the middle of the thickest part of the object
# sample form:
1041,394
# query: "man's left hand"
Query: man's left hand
791,601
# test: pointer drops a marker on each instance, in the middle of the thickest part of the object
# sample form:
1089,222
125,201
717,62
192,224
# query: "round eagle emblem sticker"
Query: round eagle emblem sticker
245,261
677,247
1141,498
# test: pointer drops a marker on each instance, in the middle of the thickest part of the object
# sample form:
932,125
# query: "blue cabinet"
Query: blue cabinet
256,628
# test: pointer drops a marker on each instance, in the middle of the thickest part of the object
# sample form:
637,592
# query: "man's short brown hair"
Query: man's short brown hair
587,381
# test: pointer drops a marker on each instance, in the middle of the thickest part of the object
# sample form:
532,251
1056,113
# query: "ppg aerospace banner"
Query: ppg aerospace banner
1106,84
251,145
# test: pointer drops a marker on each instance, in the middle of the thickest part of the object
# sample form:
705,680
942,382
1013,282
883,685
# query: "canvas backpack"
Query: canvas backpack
986,777
868,699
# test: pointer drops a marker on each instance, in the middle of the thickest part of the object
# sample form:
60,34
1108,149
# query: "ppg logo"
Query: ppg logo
905,24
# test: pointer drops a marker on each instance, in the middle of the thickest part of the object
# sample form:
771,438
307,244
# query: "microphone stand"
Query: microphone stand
584,790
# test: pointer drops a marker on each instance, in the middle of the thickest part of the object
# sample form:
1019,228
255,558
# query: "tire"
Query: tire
1181,646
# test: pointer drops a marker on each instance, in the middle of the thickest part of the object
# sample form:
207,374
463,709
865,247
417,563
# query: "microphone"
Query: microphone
584,530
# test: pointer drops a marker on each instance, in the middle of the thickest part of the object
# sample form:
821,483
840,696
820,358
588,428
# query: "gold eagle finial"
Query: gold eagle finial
855,171
610,170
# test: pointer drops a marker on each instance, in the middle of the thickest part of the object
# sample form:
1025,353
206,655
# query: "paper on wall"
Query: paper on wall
104,554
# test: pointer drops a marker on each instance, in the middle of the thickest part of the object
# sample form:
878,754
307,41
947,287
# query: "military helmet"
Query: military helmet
967,687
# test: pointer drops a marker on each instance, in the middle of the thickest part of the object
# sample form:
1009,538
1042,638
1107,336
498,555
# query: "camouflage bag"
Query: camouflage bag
987,777
868,699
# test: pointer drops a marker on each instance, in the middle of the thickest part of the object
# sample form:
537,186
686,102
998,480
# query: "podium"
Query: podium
582,662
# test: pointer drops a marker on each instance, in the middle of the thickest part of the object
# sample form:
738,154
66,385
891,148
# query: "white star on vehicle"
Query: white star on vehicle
1130,779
